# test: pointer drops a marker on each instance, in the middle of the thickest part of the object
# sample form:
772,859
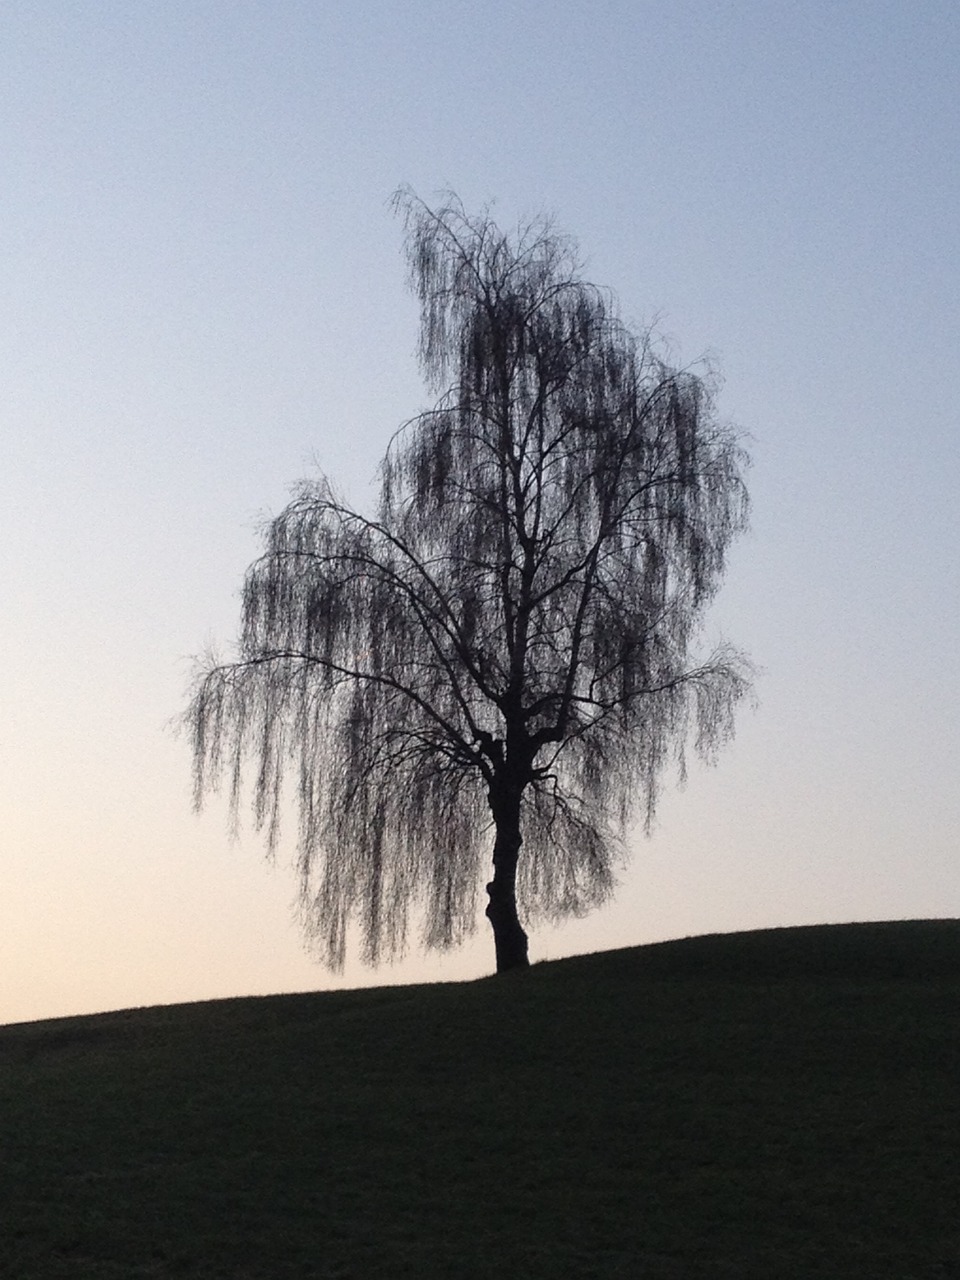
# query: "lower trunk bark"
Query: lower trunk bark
509,937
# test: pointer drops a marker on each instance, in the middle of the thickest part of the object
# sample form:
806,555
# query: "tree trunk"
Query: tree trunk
508,935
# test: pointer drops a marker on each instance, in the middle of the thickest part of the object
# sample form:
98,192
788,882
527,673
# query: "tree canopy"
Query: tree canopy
501,659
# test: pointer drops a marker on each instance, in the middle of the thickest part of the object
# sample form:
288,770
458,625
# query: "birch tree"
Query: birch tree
497,665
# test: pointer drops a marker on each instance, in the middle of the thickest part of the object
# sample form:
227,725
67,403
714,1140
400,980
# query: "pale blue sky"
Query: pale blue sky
203,292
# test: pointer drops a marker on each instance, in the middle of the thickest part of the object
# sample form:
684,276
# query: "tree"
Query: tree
506,644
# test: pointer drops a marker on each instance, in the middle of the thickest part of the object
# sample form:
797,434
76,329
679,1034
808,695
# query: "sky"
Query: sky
204,300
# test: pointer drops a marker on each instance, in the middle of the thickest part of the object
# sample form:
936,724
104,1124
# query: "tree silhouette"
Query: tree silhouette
505,646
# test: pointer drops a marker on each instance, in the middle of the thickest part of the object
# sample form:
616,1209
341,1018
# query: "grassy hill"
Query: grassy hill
776,1104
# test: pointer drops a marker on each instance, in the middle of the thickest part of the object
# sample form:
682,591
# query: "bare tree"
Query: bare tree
506,645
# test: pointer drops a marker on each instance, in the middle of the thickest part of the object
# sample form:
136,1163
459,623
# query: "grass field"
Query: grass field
773,1105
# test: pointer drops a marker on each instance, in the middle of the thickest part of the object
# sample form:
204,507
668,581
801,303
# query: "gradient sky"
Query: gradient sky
204,299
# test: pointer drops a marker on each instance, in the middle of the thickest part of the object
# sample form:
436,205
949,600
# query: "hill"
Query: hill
774,1104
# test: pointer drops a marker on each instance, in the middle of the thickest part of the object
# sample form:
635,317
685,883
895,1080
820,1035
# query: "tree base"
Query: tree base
509,938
